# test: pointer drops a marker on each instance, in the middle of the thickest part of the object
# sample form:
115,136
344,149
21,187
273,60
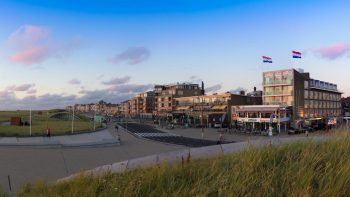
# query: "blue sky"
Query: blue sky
54,53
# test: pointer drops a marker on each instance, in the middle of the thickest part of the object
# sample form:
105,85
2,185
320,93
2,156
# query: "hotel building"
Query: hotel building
309,98
302,99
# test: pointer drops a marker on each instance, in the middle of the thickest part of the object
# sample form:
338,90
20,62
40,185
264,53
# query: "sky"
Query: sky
58,53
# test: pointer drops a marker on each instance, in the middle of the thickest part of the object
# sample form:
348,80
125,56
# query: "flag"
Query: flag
296,54
266,59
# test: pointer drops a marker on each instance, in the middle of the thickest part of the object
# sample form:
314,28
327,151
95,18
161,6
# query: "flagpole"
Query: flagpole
73,120
94,117
30,122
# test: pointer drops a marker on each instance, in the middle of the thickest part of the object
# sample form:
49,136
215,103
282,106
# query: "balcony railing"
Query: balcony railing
278,103
278,82
278,93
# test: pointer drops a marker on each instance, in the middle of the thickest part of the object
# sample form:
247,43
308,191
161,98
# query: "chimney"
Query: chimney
202,91
254,89
242,92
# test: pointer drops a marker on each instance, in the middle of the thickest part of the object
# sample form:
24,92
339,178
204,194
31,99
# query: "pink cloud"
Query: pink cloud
30,55
334,51
33,44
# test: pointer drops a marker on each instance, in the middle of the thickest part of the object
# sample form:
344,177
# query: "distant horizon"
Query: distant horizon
57,53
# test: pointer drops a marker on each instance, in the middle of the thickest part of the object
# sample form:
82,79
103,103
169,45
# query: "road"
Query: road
24,164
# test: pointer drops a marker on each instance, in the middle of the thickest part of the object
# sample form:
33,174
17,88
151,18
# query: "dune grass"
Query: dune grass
296,169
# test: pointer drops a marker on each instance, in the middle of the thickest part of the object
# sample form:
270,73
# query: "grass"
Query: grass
297,169
39,128
39,124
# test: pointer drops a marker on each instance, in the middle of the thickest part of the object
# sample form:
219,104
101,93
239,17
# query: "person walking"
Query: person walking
48,132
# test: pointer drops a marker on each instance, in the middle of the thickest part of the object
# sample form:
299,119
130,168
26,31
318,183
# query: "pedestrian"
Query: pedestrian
116,127
307,133
48,132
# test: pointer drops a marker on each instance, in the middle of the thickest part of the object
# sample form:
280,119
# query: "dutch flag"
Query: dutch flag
266,59
296,54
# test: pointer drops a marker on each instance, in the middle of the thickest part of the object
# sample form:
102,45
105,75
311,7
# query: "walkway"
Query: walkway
103,137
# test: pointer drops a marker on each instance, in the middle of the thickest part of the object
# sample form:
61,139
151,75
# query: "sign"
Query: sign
332,121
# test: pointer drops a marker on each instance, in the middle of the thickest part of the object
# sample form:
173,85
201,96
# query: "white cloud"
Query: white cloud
74,81
133,55
117,80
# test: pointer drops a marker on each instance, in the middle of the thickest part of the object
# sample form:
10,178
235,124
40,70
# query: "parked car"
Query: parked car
217,125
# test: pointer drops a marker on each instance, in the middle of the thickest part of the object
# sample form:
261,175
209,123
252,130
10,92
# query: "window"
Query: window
306,84
306,94
180,92
306,104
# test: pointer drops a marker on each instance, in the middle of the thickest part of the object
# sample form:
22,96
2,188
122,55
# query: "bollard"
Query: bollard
9,181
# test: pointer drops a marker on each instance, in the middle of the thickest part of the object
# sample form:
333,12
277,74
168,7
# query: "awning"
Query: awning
258,109
204,107
221,107
183,108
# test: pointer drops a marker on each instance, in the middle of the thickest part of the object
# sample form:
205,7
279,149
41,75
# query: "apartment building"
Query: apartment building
211,108
136,105
147,104
142,105
165,95
310,98
125,108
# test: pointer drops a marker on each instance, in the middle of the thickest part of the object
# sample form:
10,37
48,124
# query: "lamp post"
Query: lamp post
30,122
202,121
94,117
73,120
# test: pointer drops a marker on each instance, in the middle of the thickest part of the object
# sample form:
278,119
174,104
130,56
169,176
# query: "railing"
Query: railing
323,88
278,93
278,103
278,82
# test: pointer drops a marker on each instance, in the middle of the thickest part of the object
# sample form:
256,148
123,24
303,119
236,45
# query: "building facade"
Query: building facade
210,109
164,96
261,117
309,98
125,108
142,105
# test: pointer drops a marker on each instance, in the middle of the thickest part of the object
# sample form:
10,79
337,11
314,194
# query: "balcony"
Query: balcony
280,103
278,93
278,83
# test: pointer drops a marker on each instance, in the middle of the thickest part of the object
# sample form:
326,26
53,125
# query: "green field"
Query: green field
296,169
40,121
